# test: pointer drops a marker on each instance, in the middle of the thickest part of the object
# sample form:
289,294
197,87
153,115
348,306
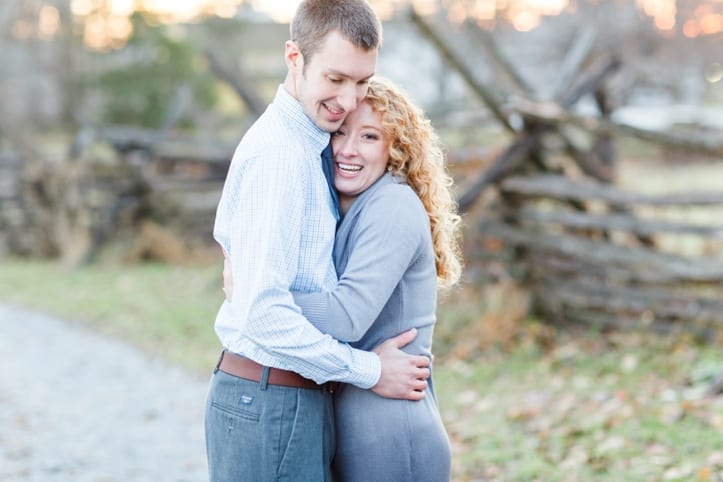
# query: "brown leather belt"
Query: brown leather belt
243,367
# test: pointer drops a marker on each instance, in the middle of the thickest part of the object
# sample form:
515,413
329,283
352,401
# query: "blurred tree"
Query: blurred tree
161,76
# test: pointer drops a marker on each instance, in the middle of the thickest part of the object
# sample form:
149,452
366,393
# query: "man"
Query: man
269,409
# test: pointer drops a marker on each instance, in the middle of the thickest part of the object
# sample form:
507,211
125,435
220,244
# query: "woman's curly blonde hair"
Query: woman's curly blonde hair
416,155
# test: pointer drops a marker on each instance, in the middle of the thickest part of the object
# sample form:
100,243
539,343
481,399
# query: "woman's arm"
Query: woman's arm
386,241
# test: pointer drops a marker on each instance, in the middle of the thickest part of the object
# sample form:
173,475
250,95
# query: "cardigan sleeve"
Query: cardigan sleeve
386,240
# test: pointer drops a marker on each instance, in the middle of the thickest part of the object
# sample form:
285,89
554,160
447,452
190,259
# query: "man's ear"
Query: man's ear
292,56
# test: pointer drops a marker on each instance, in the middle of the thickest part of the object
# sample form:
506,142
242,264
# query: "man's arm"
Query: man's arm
402,375
264,241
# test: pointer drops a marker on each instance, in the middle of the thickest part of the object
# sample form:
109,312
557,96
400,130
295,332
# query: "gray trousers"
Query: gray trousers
257,432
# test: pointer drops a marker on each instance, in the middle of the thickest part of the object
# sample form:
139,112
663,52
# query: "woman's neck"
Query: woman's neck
345,203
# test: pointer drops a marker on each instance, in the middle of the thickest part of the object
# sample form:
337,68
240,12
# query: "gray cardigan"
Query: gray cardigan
387,284
387,278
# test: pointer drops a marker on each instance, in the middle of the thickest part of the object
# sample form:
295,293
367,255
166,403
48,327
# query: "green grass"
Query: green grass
585,410
165,310
569,407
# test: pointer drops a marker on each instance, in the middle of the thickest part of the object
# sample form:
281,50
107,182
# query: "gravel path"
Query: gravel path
77,406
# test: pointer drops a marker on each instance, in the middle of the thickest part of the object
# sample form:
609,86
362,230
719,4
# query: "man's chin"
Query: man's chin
330,125
331,128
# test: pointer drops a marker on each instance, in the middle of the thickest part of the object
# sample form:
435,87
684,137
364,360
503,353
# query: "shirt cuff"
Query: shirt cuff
370,369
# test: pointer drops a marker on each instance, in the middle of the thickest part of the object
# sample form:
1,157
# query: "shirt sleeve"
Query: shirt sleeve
264,242
387,240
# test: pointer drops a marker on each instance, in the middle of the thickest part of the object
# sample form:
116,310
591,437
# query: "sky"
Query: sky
282,10
524,15
279,10
708,14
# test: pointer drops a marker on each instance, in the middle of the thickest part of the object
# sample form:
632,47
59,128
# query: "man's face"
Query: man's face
335,79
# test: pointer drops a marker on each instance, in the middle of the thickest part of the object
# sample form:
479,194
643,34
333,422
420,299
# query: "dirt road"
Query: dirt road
77,406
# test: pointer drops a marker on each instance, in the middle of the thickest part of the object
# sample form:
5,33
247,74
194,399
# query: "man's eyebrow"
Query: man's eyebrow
339,73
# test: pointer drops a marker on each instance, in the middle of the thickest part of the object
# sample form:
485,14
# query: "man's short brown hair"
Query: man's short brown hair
354,19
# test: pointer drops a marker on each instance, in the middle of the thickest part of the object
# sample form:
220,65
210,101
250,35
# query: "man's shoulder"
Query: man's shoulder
273,129
272,138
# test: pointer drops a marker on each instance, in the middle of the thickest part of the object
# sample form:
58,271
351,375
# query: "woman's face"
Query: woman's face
361,152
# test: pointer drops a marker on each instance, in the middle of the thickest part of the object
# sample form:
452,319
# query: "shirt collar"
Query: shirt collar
292,110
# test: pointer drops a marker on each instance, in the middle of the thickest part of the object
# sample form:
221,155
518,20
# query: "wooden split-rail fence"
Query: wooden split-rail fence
587,250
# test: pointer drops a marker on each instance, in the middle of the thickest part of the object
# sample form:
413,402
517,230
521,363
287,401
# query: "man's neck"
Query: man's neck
289,85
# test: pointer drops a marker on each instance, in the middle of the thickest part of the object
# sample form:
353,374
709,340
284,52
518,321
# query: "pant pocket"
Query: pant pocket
236,412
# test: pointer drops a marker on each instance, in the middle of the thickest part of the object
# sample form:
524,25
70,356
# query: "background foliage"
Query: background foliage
144,91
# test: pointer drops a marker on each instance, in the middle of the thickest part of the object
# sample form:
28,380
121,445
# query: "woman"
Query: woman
396,243
397,239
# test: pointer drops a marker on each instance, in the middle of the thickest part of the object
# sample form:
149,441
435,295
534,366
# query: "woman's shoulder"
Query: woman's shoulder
400,196
393,202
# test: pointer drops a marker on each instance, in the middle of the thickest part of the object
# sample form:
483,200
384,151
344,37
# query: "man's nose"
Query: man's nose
348,99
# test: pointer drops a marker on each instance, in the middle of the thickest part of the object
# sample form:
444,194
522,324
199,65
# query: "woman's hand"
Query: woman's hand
227,276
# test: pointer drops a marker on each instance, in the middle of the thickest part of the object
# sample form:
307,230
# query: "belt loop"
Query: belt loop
264,382
218,363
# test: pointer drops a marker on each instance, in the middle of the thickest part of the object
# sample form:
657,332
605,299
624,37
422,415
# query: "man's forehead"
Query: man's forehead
338,56
334,41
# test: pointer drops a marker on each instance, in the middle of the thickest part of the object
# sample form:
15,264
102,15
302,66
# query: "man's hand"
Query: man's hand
403,376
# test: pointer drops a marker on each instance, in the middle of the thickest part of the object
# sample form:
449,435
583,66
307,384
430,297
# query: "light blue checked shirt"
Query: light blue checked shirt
276,219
